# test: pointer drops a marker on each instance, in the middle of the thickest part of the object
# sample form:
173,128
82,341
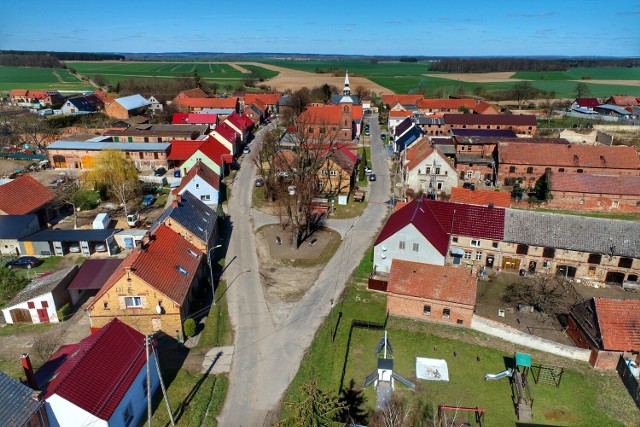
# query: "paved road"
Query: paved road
268,352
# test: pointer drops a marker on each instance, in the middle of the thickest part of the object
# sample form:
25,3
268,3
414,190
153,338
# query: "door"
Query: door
20,315
43,315
490,259
532,266
566,271
509,263
456,260
614,278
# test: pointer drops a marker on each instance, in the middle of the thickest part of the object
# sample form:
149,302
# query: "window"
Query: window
579,171
197,186
632,278
459,322
439,186
522,249
637,204
132,302
581,202
561,170
127,416
512,169
333,173
529,169
475,243
494,245
446,313
426,310
625,262
594,259
454,239
140,154
467,255
592,271
401,246
325,172
469,174
106,305
438,171
31,304
428,171
548,252
615,204
155,156
478,256
416,247
205,197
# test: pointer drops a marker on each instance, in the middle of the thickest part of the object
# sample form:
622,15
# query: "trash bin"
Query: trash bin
523,272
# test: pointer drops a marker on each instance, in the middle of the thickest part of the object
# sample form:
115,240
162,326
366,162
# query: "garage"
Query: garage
62,242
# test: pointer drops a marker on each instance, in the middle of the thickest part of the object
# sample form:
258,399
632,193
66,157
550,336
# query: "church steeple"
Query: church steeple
347,90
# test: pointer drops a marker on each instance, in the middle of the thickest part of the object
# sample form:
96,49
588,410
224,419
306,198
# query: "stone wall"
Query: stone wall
515,336
415,308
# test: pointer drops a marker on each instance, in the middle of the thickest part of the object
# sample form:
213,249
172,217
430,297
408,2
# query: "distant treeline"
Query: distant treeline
487,65
42,61
64,56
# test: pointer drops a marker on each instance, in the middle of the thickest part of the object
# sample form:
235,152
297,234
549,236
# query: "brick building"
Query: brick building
521,124
593,192
128,106
157,133
607,327
455,106
152,289
531,161
431,292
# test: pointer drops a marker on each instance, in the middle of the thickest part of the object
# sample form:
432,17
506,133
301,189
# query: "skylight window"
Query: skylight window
182,270
194,254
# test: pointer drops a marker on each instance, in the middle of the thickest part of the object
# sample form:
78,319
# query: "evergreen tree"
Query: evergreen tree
316,409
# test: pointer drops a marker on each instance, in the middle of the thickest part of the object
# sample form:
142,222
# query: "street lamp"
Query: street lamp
213,286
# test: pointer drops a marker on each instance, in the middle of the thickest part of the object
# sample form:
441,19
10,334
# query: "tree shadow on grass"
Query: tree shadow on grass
354,401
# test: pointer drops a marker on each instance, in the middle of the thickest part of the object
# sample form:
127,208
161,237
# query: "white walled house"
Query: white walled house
428,165
102,380
201,182
40,300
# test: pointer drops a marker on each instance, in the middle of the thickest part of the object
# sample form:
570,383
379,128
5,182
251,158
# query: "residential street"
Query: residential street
267,353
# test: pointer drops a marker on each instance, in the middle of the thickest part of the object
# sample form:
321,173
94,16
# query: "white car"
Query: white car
246,150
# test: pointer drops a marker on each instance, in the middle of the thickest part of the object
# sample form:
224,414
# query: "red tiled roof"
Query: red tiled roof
236,120
618,157
628,185
625,101
285,159
393,99
225,131
587,102
436,282
18,92
420,145
38,94
482,107
357,112
418,157
323,115
267,98
400,205
194,119
491,119
23,195
204,172
446,104
400,113
619,323
192,93
97,372
353,157
480,197
183,149
207,102
94,273
247,120
261,105
214,150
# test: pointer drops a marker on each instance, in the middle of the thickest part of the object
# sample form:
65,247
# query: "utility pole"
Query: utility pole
164,390
146,352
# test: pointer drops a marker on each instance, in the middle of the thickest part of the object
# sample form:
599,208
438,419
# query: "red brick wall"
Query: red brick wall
593,202
538,171
116,111
604,359
412,307
576,334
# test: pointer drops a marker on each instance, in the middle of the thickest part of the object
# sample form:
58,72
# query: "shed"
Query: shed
93,273
41,299
14,227
57,242
128,239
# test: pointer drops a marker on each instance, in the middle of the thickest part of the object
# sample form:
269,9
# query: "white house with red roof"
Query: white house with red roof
100,381
240,124
426,169
202,182
227,136
212,153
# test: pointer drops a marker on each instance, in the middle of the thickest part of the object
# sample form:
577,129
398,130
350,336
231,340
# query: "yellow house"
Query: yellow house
336,175
153,287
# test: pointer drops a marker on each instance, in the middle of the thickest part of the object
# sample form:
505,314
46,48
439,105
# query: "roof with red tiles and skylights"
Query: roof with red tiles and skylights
194,119
14,200
435,282
480,197
96,373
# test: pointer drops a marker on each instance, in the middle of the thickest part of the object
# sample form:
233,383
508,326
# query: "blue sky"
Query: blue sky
444,28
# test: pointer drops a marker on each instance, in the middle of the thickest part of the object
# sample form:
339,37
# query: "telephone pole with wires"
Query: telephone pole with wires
146,352
164,390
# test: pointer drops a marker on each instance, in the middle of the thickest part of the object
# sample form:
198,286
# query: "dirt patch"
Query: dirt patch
611,82
478,77
239,68
289,79
287,273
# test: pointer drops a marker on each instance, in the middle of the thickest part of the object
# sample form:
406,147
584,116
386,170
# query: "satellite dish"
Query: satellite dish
383,255
159,309
383,247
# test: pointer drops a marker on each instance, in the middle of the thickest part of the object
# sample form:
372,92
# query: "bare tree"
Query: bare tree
72,194
545,292
266,161
33,130
395,413
44,345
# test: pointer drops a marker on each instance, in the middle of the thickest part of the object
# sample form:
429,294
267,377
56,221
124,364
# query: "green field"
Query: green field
39,78
212,72
603,399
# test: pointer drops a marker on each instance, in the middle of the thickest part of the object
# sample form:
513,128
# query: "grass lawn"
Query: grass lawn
351,210
13,368
602,400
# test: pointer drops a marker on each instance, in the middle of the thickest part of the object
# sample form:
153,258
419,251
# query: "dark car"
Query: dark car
469,186
259,182
159,172
148,200
372,177
383,136
24,262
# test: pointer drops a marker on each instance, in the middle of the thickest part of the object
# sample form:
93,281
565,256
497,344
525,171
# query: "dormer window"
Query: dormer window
182,271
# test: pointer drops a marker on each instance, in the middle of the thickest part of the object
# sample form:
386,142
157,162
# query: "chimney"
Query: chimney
178,198
175,203
28,371
490,206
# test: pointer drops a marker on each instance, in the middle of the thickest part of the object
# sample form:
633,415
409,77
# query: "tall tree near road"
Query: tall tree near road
117,174
582,90
316,409
264,161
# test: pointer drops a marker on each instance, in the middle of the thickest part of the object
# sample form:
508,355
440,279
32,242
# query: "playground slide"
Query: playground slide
503,374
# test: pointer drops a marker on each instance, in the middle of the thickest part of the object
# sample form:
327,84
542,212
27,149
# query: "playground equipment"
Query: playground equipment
383,378
547,374
445,421
499,375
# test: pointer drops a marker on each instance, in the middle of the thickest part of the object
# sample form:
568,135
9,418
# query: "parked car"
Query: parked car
246,150
159,172
74,248
372,177
367,170
148,200
383,136
24,262
469,186
100,247
259,182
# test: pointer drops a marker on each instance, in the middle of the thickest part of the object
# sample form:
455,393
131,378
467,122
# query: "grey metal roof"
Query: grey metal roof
121,146
132,102
42,285
192,214
71,235
422,120
17,404
578,233
336,98
13,226
471,158
614,108
222,111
